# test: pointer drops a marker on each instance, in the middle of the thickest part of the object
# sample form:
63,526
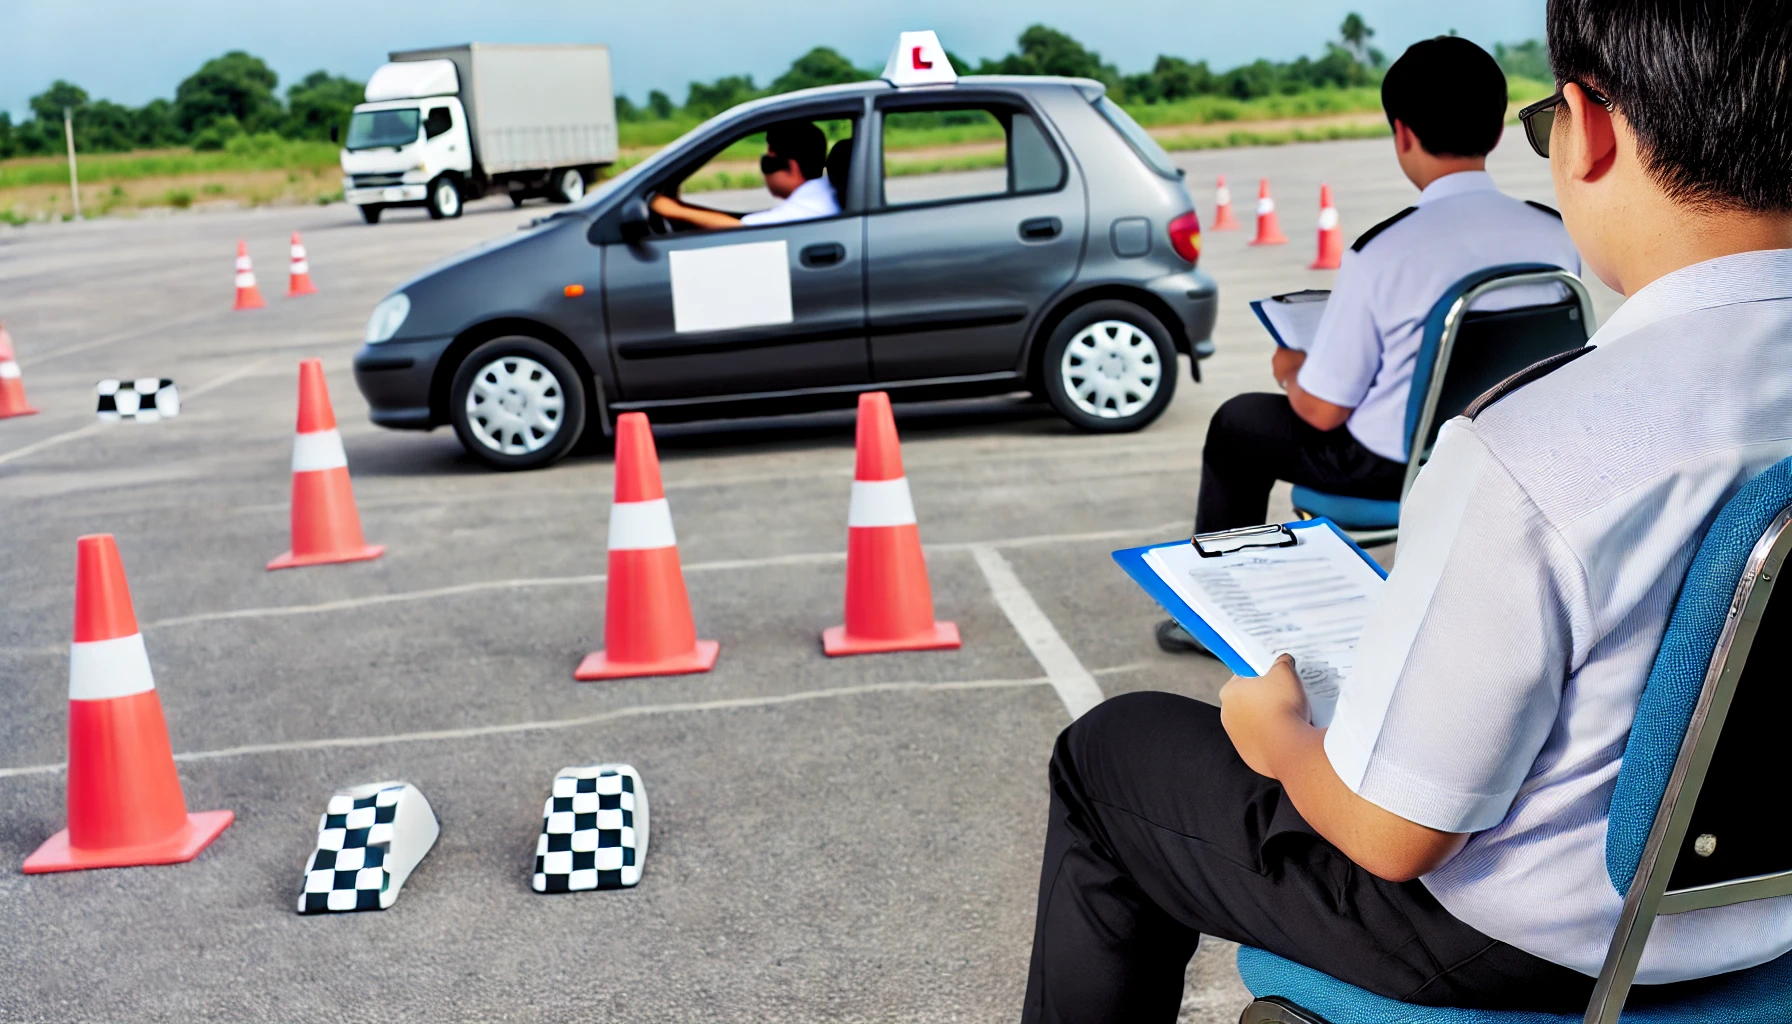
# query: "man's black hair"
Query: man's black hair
1451,93
800,141
1706,87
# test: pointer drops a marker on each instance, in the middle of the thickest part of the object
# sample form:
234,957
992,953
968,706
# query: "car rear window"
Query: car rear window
1138,138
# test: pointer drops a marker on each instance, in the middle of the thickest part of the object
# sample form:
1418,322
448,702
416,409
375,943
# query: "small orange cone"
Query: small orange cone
12,384
125,806
648,630
300,281
889,604
1223,220
1331,236
325,526
1269,228
247,295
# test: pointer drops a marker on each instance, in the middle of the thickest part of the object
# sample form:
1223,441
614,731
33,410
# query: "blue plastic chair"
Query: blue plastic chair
1463,353
1677,791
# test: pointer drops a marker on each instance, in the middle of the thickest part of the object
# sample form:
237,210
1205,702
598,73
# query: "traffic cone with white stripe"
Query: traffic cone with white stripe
1331,236
1223,220
247,295
648,630
325,526
12,383
1269,226
300,281
125,806
889,603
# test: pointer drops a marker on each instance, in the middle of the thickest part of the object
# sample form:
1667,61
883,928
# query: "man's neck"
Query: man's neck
1680,237
1434,167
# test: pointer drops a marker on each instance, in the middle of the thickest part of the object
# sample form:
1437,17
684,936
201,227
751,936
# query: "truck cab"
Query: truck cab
411,150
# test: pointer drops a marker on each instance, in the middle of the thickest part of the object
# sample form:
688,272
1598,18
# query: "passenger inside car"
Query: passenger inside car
795,166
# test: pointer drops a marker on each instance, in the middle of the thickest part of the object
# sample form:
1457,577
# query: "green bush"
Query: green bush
179,198
217,135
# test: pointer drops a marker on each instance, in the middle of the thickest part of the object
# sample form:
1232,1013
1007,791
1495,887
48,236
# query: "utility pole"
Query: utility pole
74,180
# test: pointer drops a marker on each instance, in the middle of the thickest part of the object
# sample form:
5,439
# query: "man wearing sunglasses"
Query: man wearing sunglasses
794,165
1442,842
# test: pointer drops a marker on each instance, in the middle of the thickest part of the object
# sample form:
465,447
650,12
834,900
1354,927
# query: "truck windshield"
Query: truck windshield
375,129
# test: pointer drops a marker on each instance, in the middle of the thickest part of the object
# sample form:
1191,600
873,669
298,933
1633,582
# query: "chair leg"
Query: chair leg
1276,1010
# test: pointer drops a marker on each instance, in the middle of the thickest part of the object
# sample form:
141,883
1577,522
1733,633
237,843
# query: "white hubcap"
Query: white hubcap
447,199
1111,369
572,185
515,405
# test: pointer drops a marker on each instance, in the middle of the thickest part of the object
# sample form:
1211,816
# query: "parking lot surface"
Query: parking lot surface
851,839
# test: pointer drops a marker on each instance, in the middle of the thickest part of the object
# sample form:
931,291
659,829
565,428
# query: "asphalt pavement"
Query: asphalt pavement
852,839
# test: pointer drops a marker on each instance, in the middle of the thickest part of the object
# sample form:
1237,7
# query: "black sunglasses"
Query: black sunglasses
772,163
1539,118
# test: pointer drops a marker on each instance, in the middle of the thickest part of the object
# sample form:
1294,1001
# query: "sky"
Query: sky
132,51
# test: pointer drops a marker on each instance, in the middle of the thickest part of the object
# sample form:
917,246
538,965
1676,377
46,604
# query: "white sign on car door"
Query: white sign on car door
724,287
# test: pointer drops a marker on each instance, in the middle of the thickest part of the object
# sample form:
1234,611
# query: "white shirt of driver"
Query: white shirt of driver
1541,552
1362,354
811,200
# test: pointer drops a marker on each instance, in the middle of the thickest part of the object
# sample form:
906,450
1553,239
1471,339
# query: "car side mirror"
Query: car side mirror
633,220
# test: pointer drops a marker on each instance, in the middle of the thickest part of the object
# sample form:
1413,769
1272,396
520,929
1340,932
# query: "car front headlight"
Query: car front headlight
388,317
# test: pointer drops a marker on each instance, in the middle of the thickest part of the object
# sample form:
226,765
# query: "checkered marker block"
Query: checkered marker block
594,835
368,841
146,399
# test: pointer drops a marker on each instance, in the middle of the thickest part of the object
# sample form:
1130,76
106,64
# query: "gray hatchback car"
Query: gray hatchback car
1066,270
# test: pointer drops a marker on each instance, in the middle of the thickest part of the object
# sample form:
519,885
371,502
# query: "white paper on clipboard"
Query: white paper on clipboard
1293,319
724,287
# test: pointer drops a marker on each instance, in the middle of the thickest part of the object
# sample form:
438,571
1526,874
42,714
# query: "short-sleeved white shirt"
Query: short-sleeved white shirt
1362,354
1541,552
811,200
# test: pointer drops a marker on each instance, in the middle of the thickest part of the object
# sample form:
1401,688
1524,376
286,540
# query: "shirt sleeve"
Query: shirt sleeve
1346,350
779,214
1459,675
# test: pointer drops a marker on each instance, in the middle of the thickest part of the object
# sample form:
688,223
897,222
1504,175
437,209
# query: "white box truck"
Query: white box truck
449,124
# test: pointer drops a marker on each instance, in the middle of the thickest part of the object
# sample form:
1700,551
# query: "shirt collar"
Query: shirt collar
814,192
1456,184
1724,281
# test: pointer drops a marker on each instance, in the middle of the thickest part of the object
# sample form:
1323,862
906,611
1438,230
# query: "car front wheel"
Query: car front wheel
444,198
1110,367
517,403
569,185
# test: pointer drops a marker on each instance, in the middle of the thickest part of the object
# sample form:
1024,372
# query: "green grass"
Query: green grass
170,163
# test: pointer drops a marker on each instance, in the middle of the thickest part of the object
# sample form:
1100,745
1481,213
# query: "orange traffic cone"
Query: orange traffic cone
1269,228
12,384
325,526
1331,236
300,281
889,604
1222,209
247,295
125,806
648,629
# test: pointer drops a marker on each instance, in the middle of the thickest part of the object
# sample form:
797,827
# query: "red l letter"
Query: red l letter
921,65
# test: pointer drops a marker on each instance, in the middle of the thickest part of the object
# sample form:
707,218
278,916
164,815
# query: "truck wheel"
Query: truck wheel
444,198
371,213
1110,367
517,403
516,198
569,185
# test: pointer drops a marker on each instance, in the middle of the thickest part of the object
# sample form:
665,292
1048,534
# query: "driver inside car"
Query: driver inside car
794,165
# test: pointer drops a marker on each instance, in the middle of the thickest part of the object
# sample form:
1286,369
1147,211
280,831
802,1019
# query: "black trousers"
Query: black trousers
1256,439
1159,834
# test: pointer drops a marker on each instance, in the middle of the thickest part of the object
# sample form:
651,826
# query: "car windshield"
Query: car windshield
1138,138
374,129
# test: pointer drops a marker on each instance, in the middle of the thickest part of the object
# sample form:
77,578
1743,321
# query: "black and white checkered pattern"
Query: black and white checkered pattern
589,835
146,399
349,870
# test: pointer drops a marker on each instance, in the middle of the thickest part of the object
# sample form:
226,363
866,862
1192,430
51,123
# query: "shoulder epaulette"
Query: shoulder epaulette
1536,371
1552,211
1366,237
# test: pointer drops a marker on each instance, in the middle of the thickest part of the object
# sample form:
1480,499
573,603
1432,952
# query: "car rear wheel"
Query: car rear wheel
517,403
444,198
1110,367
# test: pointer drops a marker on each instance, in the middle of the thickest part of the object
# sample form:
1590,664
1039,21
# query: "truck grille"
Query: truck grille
375,180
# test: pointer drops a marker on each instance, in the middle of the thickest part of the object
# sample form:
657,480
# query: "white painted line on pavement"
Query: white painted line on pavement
637,711
1076,687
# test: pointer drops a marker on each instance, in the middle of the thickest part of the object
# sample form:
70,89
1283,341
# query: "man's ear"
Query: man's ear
1591,144
1404,139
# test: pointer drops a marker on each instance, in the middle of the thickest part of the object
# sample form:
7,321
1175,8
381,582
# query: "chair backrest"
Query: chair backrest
1464,352
1688,828
839,169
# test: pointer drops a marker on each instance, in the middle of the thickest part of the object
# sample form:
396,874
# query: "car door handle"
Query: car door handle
825,254
1040,229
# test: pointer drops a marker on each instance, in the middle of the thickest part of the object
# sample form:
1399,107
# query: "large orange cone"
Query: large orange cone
648,629
1223,220
1269,227
125,806
325,526
247,295
889,604
300,281
1331,236
12,384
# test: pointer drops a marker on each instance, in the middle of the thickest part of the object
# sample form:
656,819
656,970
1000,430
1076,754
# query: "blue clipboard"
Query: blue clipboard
1300,296
1133,561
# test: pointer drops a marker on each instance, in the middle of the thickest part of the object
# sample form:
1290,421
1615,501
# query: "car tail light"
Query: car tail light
1185,236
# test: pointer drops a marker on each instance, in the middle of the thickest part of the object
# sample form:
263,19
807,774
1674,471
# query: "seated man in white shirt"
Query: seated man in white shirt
794,165
1442,842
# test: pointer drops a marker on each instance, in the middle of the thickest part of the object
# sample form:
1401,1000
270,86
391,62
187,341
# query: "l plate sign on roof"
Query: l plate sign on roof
919,59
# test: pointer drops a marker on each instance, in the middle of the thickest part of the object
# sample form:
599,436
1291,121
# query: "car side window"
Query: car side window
1002,151
440,120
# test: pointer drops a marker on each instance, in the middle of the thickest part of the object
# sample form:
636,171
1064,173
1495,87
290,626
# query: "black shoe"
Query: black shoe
1172,638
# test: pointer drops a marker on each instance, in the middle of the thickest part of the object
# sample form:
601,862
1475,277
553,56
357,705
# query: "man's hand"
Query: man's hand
1263,714
1285,364
697,216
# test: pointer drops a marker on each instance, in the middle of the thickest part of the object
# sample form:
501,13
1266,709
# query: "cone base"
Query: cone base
253,302
297,290
1225,225
836,643
1324,265
57,855
361,554
9,413
1271,240
597,664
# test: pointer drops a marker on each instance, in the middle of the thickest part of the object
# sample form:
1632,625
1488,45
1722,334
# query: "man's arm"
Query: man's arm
1323,415
697,216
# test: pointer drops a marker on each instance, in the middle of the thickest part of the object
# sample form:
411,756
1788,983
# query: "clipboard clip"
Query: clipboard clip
1224,542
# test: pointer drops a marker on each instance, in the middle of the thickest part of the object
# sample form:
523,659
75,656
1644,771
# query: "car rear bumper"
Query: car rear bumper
394,377
1195,298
